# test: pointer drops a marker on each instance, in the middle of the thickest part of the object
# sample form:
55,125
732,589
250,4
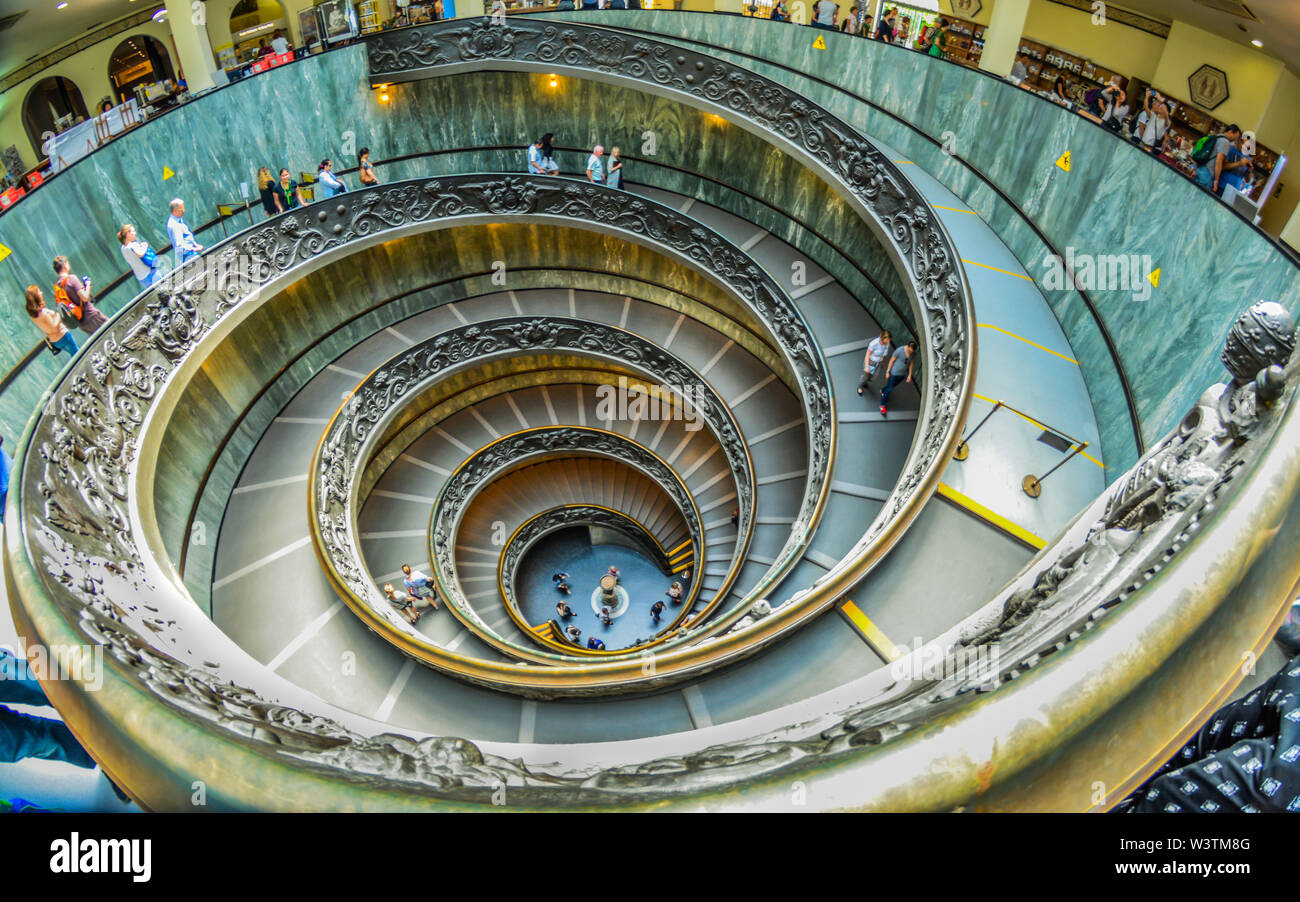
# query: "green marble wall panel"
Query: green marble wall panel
323,105
1115,200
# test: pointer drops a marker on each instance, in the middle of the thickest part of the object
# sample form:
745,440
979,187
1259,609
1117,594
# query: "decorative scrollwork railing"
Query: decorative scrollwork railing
519,450
1158,555
1159,517
850,163
352,436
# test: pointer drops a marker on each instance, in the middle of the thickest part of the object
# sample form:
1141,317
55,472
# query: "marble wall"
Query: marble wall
323,106
1114,200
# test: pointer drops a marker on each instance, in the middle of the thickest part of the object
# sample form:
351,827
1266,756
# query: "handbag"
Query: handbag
149,257
53,350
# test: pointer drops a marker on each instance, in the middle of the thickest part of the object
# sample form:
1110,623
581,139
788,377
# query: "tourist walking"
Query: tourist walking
73,296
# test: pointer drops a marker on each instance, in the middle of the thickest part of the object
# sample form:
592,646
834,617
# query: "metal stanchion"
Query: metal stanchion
1033,485
963,450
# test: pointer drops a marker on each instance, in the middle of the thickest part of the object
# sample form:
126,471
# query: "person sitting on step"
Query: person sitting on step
574,634
595,644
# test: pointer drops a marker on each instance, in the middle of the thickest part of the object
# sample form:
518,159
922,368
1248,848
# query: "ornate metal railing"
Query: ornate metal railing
509,453
358,428
1146,542
849,162
1201,534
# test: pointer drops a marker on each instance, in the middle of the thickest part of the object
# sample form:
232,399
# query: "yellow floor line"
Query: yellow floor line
1001,522
875,638
954,209
1005,272
1026,341
1036,423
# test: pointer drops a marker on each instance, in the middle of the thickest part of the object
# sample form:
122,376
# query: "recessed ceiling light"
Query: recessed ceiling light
61,5
1258,43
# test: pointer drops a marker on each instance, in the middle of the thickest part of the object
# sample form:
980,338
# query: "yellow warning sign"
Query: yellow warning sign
1154,278
4,252
1064,161
820,43
167,173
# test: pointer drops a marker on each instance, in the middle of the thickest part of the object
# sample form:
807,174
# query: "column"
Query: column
1291,233
191,40
1002,36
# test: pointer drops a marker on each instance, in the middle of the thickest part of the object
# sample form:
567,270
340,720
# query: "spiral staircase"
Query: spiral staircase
443,371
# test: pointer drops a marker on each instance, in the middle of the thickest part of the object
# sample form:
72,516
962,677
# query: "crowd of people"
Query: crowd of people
600,170
1221,160
891,29
280,192
74,307
564,612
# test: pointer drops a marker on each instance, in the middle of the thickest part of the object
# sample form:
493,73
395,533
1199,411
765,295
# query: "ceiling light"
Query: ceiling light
61,5
1258,43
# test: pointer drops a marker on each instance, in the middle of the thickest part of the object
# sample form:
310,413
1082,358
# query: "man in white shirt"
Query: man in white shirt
182,238
279,44
877,350
595,167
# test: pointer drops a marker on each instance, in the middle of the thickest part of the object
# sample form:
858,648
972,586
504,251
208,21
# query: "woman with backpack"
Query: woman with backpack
936,39
73,297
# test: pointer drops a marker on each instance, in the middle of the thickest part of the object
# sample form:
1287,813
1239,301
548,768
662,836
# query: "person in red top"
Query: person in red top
73,295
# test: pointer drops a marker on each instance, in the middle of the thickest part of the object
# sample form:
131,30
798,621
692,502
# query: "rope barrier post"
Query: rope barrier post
963,451
1033,485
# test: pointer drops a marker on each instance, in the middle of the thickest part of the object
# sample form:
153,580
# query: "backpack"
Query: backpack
65,301
1203,151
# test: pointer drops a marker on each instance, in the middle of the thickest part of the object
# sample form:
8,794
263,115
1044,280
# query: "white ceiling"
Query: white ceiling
1278,26
45,27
